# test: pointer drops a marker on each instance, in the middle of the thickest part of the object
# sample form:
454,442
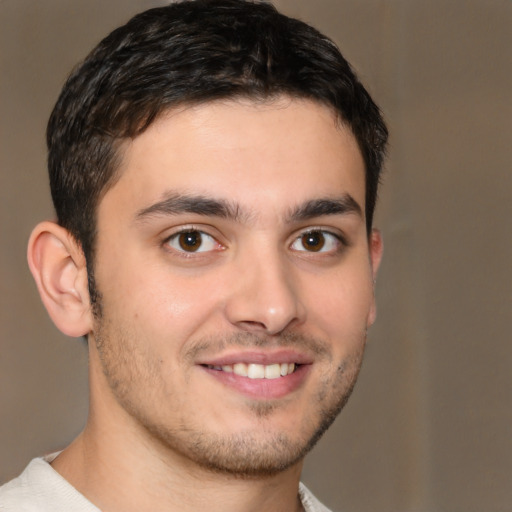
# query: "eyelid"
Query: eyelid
339,237
192,229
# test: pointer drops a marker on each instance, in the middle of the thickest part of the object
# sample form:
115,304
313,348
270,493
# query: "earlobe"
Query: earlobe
376,250
58,266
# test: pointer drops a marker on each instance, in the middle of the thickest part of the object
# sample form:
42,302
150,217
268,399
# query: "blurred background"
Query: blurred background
429,425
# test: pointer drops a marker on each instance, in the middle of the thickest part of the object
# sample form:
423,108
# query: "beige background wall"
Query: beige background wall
429,425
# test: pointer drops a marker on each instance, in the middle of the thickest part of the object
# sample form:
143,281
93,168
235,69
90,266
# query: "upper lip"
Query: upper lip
258,357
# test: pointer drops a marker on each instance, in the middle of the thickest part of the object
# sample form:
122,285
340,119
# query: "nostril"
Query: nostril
264,303
251,325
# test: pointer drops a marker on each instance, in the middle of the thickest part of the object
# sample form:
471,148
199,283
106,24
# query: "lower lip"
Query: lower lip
262,389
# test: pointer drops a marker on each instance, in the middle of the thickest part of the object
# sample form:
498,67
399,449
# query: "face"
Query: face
236,282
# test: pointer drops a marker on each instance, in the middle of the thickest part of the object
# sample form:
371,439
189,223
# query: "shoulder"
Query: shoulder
309,502
41,489
21,493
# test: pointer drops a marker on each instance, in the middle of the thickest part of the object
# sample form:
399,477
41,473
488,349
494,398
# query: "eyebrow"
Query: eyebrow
176,204
343,205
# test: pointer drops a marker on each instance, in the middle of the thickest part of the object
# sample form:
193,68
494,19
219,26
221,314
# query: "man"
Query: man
214,168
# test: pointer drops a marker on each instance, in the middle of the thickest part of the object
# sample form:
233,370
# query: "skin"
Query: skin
269,281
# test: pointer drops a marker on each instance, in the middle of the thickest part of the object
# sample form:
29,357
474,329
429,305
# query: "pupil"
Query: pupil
313,241
190,241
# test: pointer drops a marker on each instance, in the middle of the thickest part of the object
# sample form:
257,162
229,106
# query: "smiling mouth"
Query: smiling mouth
256,371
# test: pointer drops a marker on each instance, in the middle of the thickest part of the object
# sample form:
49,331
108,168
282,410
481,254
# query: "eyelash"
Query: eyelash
192,230
338,238
326,234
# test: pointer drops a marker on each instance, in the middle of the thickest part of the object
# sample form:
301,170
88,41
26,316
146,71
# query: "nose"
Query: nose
265,297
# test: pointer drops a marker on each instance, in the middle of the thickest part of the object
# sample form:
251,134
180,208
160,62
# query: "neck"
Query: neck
120,467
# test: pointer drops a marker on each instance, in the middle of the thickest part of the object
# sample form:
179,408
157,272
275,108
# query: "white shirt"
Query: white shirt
41,489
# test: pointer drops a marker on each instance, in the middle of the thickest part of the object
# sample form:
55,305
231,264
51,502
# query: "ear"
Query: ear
376,247
58,265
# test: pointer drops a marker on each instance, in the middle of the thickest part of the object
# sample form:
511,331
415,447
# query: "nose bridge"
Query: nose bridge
265,296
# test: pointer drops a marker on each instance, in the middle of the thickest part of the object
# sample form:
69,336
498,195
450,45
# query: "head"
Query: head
190,53
214,167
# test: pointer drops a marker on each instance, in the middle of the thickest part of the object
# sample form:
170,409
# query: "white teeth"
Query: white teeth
272,371
240,369
257,371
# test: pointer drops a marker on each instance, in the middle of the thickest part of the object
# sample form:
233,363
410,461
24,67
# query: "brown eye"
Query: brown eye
190,241
317,240
193,241
313,241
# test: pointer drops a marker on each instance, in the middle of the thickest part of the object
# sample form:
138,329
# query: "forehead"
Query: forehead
270,154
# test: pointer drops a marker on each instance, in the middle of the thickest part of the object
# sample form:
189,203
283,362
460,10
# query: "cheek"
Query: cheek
340,305
162,304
